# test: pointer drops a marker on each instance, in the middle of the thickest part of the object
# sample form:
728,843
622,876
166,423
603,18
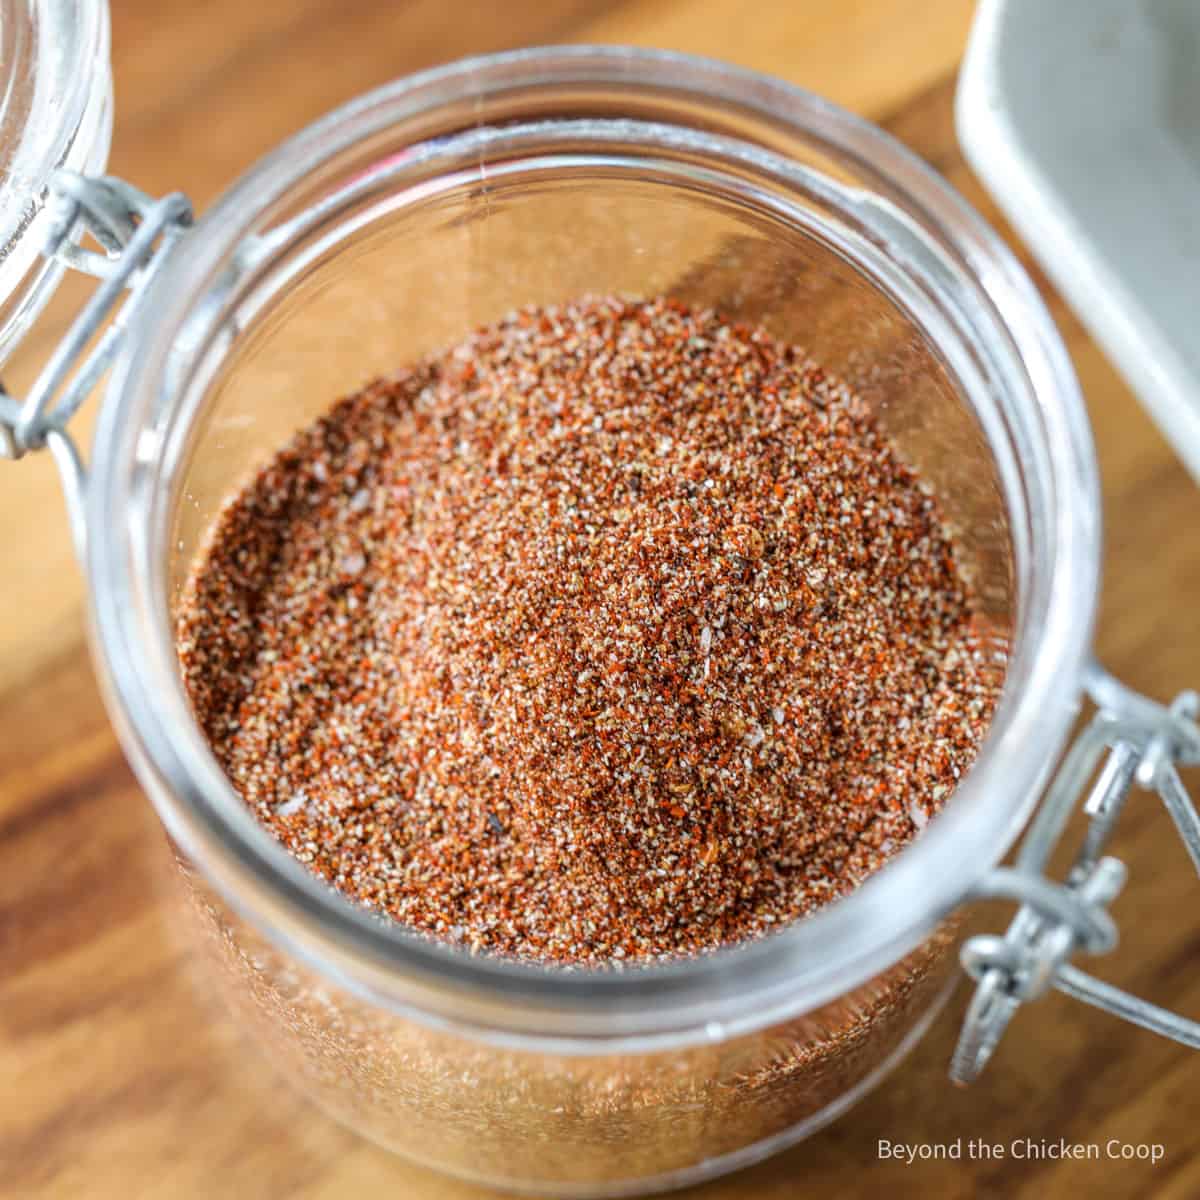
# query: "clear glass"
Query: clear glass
55,111
605,1118
392,227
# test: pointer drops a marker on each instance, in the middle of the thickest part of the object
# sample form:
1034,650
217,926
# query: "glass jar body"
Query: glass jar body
391,229
563,1119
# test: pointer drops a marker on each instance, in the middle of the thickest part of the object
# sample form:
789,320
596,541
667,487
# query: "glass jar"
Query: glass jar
392,227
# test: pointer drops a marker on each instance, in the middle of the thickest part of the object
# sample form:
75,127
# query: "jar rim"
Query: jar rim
747,986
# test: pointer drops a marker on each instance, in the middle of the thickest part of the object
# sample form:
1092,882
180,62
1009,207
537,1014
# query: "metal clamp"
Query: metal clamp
135,233
1145,742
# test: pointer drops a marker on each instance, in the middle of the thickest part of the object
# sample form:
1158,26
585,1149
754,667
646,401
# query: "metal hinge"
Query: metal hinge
135,234
1144,743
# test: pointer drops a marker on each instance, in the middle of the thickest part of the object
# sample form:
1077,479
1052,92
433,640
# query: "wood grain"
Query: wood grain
118,1078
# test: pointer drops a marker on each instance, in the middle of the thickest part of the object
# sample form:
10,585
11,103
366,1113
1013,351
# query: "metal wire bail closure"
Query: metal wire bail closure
135,233
1144,742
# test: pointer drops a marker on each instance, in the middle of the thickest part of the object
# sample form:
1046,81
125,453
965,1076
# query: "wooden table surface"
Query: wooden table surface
117,1076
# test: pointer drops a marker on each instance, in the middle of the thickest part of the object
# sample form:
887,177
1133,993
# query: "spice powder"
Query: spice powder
614,632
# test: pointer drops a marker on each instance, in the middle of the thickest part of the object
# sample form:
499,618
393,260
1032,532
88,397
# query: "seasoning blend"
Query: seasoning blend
613,633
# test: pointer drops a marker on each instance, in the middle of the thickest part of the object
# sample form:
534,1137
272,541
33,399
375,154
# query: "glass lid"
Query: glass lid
55,111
